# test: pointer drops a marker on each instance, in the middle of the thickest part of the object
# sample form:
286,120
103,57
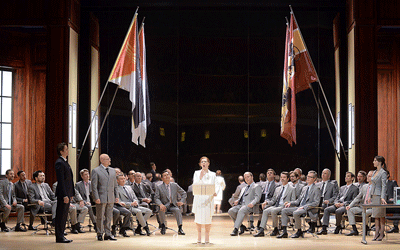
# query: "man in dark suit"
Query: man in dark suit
153,171
142,191
21,193
346,195
84,188
65,191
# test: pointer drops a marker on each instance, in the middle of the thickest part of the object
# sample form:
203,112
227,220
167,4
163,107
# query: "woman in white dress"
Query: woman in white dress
203,205
220,187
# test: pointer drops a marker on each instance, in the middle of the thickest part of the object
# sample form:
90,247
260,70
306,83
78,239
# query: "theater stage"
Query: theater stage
222,227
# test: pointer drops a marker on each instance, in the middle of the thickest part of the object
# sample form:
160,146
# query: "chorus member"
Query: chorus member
131,178
166,197
361,179
153,171
220,187
84,188
235,195
65,191
295,182
203,205
104,191
8,203
142,191
170,174
378,196
22,195
329,189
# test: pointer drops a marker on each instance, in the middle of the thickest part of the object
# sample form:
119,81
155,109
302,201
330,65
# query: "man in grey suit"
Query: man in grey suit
128,200
329,189
355,206
249,196
104,191
8,202
346,195
235,195
84,188
308,199
295,182
166,197
284,193
21,193
142,191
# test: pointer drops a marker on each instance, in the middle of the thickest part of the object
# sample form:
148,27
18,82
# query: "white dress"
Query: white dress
203,205
219,188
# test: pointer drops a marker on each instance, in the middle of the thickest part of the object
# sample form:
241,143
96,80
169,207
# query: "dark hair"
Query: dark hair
381,159
286,173
351,174
36,174
8,171
262,177
218,173
60,147
149,175
83,171
152,163
19,172
273,171
295,173
363,173
165,171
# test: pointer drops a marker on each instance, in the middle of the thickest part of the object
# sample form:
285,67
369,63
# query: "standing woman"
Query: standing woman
203,205
378,195
219,188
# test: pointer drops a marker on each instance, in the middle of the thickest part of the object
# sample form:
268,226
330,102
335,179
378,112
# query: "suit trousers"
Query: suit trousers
142,214
237,213
91,213
296,216
61,217
73,213
352,212
338,213
126,223
104,212
175,210
273,211
6,213
49,208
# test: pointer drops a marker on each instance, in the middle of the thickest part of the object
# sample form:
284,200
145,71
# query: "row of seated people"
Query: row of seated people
296,198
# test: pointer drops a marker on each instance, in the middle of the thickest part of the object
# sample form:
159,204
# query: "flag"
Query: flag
298,74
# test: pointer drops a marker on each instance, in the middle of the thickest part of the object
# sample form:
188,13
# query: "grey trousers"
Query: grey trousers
91,213
237,213
6,213
177,213
273,211
142,214
104,212
73,213
126,223
296,216
352,212
338,214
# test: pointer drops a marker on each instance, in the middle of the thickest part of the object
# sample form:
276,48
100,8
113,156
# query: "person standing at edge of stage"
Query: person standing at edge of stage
203,205
64,192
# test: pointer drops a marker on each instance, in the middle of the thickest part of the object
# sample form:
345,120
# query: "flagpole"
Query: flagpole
102,94
323,93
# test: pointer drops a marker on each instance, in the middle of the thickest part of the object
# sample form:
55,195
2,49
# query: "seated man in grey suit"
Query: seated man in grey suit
355,206
284,193
8,202
128,200
249,196
309,198
21,194
295,182
84,188
166,197
346,195
329,189
235,196
41,195
142,191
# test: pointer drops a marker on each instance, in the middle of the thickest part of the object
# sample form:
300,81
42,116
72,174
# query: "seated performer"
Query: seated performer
329,189
166,197
8,203
235,196
84,188
309,198
21,193
295,182
346,195
249,196
142,191
283,194
355,206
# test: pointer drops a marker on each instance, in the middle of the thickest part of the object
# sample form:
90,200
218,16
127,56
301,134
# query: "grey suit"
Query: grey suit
344,198
34,198
104,187
80,187
251,194
378,183
307,202
298,187
355,205
268,191
141,192
235,195
161,197
330,192
5,200
142,213
274,207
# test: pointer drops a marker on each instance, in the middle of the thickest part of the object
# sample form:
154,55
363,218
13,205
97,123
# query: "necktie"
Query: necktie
241,198
278,201
266,191
127,193
10,193
303,202
322,190
169,193
43,194
141,190
107,171
367,195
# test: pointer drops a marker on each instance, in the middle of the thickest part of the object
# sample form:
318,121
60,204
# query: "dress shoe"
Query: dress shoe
323,231
79,228
113,230
99,237
298,234
163,229
260,233
180,231
4,227
235,232
338,229
393,230
123,233
65,233
64,240
74,231
275,232
352,233
282,235
146,228
380,237
18,228
139,231
30,227
242,229
311,229
111,237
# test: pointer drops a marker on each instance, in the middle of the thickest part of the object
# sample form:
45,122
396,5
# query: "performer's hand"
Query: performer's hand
88,203
347,207
215,194
287,205
8,207
300,208
235,203
14,204
97,201
41,203
326,202
66,199
134,204
179,203
368,200
263,205
81,203
116,200
26,200
383,202
163,208
250,205
122,204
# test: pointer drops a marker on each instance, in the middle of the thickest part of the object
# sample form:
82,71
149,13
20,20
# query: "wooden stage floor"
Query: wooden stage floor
221,228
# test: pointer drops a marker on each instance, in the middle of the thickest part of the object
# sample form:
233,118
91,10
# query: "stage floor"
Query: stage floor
220,238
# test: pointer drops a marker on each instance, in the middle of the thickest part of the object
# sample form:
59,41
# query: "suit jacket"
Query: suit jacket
65,187
271,191
161,195
20,192
4,192
80,187
121,194
313,198
251,195
390,189
34,196
148,192
104,185
379,183
350,195
75,199
331,190
298,187
360,198
290,195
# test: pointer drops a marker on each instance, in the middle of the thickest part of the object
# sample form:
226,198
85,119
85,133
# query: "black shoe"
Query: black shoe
139,231
73,229
393,230
180,231
64,240
123,233
79,228
99,237
242,229
30,227
113,231
18,228
5,229
65,233
235,232
338,229
111,237
298,234
260,233
311,229
163,229
323,231
146,228
282,235
275,232
352,232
